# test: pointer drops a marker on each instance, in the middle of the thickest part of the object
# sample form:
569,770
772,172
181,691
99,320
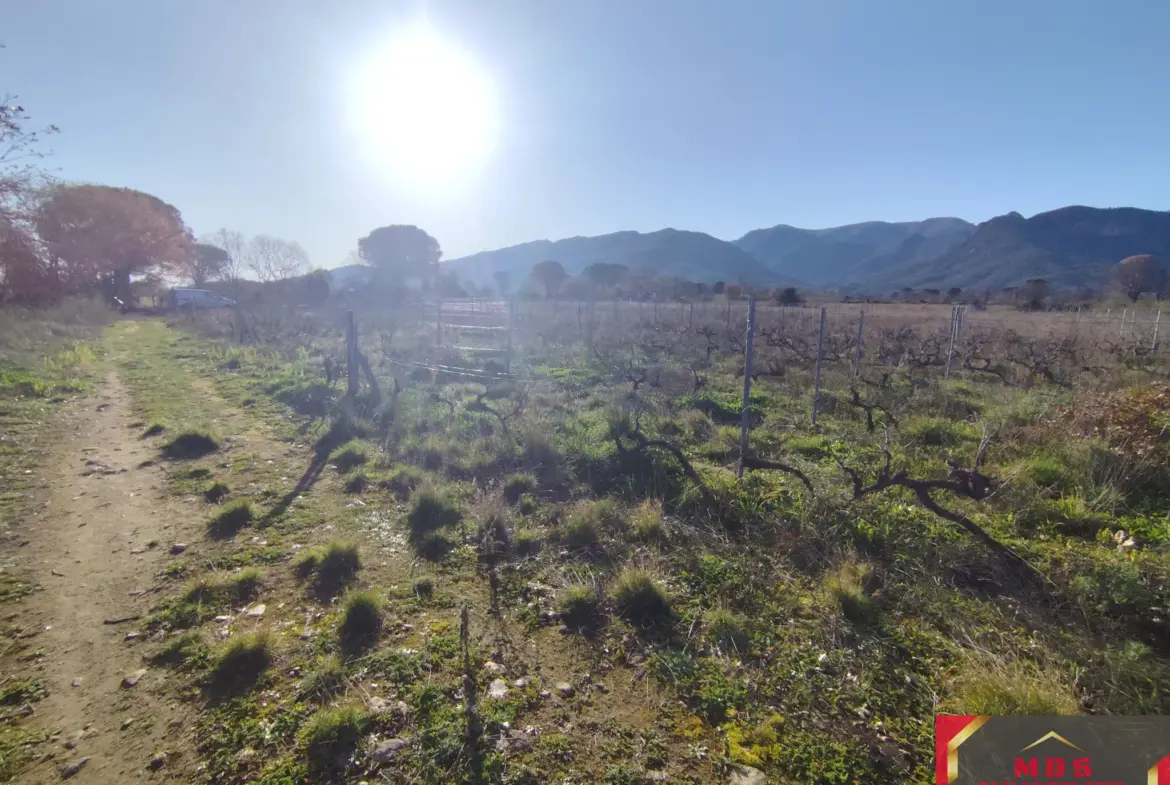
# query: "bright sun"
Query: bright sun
425,109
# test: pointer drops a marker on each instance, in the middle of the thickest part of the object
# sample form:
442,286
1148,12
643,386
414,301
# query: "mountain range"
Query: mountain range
1069,247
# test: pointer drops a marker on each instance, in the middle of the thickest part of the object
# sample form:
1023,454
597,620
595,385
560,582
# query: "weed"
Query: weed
189,445
423,586
639,599
517,485
230,520
21,692
361,620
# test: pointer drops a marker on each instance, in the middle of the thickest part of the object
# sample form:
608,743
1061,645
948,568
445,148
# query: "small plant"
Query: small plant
230,520
848,585
527,542
639,599
358,482
350,455
647,523
1009,688
241,661
402,481
527,505
216,493
326,679
494,534
189,445
155,429
361,620
186,648
331,735
579,606
517,485
726,629
424,586
580,529
332,566
430,510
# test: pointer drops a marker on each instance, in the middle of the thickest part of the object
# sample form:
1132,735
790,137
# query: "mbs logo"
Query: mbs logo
980,750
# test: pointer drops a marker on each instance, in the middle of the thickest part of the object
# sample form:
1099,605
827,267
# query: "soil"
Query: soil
96,548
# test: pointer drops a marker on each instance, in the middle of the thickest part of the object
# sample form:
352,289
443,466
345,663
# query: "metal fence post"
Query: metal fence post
857,360
439,323
508,351
690,315
745,412
951,344
1157,319
351,361
820,357
1124,313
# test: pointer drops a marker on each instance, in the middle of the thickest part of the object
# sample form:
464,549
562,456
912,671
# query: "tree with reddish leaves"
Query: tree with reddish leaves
23,274
96,237
1138,274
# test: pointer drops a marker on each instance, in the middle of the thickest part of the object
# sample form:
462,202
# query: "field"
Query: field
529,543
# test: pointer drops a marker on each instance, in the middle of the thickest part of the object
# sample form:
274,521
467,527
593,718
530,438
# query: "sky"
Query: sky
593,116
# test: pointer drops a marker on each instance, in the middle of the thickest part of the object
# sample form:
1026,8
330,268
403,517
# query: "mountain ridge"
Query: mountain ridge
1072,246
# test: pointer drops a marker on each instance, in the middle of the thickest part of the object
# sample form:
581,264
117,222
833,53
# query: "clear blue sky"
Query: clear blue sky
719,116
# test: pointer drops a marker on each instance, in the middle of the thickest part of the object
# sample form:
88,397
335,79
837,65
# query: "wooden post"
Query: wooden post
951,344
857,359
690,315
820,357
351,357
578,316
439,323
656,311
1121,332
508,350
1154,342
745,412
729,312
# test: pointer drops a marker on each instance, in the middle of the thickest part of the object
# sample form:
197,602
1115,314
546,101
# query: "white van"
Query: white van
198,298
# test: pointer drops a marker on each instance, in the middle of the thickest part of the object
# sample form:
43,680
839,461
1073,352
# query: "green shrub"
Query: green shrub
424,586
241,661
579,606
938,431
361,620
814,447
216,493
527,542
331,735
230,520
1046,471
332,566
186,648
639,599
357,483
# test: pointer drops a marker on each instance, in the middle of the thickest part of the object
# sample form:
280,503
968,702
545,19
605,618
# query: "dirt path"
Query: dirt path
96,547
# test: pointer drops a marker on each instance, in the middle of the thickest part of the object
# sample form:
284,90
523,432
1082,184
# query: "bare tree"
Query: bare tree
236,247
274,259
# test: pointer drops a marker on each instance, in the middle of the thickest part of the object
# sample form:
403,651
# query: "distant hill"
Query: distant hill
1069,247
692,255
845,254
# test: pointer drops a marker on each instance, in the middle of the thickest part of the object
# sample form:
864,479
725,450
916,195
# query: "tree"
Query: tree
550,275
205,263
954,292
400,252
235,246
98,234
606,273
24,271
1138,274
734,291
503,282
273,259
1034,292
719,287
787,296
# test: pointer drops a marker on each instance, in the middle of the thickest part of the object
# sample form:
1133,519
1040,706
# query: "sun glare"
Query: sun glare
425,110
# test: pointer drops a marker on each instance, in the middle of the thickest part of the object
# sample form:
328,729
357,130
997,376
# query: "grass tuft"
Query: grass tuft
1009,688
331,735
230,520
647,523
326,679
726,629
579,606
216,493
332,566
639,599
517,485
241,662
351,455
848,586
361,620
189,445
